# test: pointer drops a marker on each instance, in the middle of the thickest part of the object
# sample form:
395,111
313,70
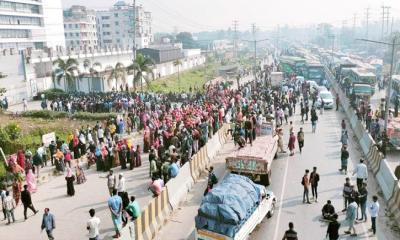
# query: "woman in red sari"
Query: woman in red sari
21,158
138,157
291,145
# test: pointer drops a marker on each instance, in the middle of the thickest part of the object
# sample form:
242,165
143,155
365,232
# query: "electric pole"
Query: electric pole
134,29
387,19
235,38
367,21
253,30
383,20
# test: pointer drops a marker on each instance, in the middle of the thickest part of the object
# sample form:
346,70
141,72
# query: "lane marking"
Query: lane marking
281,199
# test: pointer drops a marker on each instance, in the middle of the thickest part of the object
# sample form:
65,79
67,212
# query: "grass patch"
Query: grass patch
191,78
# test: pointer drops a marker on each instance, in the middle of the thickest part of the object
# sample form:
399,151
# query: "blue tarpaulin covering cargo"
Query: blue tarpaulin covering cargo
228,205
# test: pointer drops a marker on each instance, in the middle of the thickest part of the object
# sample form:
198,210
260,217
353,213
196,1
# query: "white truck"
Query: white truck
265,208
276,79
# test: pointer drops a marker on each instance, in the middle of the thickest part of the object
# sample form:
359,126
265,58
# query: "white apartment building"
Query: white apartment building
31,24
80,28
115,27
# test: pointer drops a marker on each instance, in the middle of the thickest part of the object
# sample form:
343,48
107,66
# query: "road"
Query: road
322,150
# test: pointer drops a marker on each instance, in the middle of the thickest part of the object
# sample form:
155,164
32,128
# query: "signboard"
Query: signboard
47,138
247,165
266,129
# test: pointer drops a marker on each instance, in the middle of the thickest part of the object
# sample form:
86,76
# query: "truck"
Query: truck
250,167
276,79
233,209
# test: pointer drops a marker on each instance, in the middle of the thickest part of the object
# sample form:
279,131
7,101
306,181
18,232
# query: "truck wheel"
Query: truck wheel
271,212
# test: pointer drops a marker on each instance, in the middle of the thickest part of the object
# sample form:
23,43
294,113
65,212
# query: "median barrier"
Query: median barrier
394,203
223,134
128,232
213,145
386,179
374,159
366,142
179,186
151,219
199,163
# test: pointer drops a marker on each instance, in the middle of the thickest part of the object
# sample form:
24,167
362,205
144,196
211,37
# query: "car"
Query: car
327,97
322,89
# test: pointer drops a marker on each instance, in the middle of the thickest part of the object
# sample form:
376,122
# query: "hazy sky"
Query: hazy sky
198,15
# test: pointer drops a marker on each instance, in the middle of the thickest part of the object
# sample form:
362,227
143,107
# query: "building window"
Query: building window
116,23
76,26
118,40
105,17
65,25
77,34
115,14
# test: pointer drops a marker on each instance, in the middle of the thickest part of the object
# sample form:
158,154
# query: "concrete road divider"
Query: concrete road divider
374,159
386,179
366,142
213,145
128,232
199,163
179,186
151,219
394,203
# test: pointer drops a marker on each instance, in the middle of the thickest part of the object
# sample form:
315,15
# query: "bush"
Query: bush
13,131
52,94
93,116
46,114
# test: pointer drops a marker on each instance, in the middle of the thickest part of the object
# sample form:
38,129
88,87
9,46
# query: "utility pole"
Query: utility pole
387,19
367,21
383,20
134,29
253,30
235,38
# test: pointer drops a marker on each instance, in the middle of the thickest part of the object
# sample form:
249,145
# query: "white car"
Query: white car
327,97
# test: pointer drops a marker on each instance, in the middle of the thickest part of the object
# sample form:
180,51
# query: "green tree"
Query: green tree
118,73
93,70
66,70
178,63
142,68
186,39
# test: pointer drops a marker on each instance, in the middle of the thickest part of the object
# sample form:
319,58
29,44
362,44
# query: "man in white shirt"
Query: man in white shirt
93,225
100,134
374,211
9,205
362,173
121,184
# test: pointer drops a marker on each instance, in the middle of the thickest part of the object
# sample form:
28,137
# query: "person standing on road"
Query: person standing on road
314,119
111,181
300,139
314,179
92,225
70,178
121,188
27,201
351,217
374,211
290,234
344,139
291,144
337,102
332,233
363,195
362,173
347,193
9,205
344,156
306,186
48,223
3,197
115,206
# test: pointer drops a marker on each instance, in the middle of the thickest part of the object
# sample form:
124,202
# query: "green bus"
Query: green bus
316,72
361,76
291,64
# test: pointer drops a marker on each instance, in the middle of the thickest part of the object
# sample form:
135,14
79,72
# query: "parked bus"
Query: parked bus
316,72
290,65
362,76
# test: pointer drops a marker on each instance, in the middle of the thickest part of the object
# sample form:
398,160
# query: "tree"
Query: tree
178,63
93,69
66,70
118,73
141,67
186,39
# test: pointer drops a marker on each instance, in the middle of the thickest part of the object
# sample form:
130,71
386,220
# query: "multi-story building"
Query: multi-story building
31,24
116,27
80,28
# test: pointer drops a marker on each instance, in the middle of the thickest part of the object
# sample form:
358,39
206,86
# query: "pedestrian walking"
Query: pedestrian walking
351,217
344,156
363,195
314,179
344,139
290,234
314,119
374,211
212,179
306,186
115,206
361,172
48,223
291,144
347,193
70,178
27,201
93,225
9,205
332,233
300,139
121,188
337,102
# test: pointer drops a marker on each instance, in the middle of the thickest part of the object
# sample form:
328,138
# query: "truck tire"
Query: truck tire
272,211
265,179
